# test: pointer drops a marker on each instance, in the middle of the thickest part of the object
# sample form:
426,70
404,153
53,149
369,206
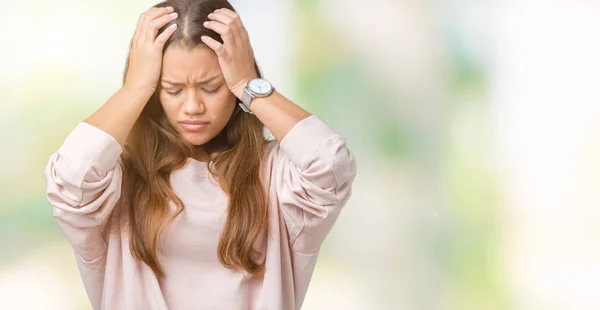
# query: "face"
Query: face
193,93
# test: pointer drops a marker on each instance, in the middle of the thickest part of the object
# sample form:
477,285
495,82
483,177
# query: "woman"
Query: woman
170,193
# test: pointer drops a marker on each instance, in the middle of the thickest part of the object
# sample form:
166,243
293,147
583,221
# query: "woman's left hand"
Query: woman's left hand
236,56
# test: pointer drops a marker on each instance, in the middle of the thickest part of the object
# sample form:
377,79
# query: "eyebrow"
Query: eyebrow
205,81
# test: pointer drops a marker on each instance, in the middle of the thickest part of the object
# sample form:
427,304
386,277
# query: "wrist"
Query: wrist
142,93
238,89
139,90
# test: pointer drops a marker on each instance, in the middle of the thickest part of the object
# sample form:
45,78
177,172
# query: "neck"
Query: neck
200,154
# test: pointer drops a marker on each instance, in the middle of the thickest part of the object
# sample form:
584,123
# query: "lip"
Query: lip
193,126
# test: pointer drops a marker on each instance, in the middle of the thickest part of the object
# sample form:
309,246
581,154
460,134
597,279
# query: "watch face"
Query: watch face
259,86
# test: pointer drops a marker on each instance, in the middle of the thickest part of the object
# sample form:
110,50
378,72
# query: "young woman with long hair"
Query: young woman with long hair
172,195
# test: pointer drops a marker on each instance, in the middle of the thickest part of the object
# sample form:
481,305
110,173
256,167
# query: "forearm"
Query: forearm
277,113
118,115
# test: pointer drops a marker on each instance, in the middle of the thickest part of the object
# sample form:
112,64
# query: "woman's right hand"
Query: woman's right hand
145,56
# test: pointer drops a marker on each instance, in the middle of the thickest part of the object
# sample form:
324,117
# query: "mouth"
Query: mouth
193,126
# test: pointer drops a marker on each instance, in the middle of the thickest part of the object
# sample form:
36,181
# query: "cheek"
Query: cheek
170,107
230,102
221,105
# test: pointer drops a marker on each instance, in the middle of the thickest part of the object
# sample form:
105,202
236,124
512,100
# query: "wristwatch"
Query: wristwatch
256,88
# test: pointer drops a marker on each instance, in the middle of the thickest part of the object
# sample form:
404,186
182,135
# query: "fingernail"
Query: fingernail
204,38
169,8
174,14
209,15
206,24
173,26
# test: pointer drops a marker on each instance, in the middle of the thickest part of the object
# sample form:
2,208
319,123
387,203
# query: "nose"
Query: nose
193,103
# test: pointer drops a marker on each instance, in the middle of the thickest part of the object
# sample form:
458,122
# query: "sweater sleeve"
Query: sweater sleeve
314,172
83,184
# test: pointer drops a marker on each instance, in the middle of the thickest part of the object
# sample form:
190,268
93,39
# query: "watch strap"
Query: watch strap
246,98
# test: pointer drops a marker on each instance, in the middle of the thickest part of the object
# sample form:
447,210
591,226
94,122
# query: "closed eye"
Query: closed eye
211,91
208,91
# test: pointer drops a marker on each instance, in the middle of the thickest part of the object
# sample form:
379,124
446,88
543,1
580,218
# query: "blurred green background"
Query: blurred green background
475,124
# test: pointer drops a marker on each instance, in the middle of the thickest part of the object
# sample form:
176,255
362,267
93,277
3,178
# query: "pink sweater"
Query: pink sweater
308,178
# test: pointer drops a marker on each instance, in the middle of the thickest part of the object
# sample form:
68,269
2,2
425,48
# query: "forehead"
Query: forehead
182,63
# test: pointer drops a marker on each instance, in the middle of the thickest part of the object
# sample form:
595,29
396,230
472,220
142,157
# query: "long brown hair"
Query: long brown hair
154,149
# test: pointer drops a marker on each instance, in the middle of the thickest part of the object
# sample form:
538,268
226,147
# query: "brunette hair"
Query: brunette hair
154,149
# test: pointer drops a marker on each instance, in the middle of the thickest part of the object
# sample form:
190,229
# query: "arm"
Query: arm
118,115
236,59
144,64
315,169
276,112
83,184
83,178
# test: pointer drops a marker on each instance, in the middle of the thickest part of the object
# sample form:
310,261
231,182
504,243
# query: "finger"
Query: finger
140,24
138,27
229,12
214,45
232,22
219,16
157,11
165,35
158,23
148,17
225,31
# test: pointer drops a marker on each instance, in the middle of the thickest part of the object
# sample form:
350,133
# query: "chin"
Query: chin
195,138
